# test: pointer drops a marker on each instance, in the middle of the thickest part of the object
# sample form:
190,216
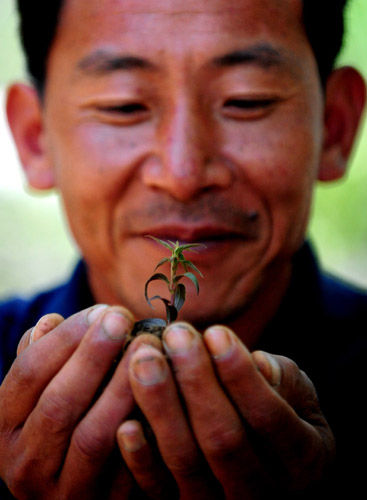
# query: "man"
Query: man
208,122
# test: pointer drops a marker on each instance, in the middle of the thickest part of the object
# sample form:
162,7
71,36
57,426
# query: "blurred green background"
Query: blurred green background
36,250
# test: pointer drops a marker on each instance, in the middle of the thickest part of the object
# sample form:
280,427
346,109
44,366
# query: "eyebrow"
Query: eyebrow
102,61
263,55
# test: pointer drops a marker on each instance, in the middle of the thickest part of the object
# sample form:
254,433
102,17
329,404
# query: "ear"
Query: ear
344,104
24,112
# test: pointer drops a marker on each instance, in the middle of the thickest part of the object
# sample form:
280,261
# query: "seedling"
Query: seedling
177,295
180,269
176,290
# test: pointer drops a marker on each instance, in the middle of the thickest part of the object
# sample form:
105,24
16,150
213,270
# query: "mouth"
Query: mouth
210,221
209,236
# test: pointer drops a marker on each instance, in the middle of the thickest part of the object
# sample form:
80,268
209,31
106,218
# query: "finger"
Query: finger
34,368
292,384
156,394
297,443
94,438
47,431
31,372
217,426
42,327
269,367
123,485
144,462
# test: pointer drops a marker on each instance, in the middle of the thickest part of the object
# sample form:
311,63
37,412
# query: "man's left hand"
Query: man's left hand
228,423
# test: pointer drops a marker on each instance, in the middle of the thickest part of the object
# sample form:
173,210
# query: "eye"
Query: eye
129,113
247,108
126,109
248,103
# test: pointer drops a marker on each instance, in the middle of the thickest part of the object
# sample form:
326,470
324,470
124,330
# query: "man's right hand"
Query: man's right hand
57,428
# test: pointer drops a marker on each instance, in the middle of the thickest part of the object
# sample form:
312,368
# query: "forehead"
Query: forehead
177,26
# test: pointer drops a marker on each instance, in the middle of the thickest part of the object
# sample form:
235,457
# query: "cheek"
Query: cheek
90,176
287,170
287,184
94,162
280,155
279,162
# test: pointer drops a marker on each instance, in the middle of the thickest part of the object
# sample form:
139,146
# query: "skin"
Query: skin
188,146
58,444
207,147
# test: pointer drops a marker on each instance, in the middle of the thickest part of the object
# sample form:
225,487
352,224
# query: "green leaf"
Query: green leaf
175,258
187,263
155,277
171,311
184,264
188,246
161,262
193,278
150,300
180,295
166,244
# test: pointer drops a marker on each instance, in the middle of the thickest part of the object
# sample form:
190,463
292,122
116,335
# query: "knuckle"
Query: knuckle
23,372
222,442
308,382
16,479
295,381
289,367
19,478
185,466
88,443
267,419
56,412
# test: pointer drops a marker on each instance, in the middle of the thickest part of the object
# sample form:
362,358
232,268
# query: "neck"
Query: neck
250,323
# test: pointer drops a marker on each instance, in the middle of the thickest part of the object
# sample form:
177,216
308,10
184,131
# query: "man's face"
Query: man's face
193,121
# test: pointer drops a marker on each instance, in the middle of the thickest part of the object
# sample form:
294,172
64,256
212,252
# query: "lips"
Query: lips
206,234
206,219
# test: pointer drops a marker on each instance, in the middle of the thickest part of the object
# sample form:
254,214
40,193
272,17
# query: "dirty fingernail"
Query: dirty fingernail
178,338
95,313
116,325
218,340
130,435
45,325
148,367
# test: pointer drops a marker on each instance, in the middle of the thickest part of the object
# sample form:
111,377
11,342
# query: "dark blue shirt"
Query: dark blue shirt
321,325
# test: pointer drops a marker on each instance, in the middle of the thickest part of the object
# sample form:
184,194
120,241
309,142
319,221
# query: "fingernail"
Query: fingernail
116,325
219,341
31,337
95,313
178,338
148,368
131,436
269,367
276,372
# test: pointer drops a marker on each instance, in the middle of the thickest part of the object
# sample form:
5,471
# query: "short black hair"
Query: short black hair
324,24
323,21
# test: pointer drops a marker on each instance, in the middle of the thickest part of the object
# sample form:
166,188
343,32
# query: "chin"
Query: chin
203,315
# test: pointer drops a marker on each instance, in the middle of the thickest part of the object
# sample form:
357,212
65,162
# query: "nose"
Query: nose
186,162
